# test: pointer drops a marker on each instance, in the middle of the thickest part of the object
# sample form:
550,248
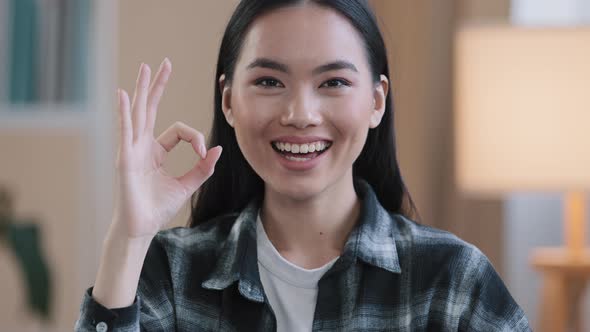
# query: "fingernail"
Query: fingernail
203,151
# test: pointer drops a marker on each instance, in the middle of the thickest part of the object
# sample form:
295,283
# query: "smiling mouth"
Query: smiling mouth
301,152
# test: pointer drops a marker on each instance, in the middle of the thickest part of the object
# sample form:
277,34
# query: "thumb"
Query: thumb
204,168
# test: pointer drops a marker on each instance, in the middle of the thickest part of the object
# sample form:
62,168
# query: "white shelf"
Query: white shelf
43,117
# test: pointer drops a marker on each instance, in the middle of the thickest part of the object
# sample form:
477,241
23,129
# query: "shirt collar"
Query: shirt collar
371,241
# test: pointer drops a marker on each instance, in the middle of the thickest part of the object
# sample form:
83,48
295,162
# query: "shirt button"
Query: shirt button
101,327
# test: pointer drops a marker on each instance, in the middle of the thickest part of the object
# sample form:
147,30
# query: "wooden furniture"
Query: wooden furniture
565,277
506,119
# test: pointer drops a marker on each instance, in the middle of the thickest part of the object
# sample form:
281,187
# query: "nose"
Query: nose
303,110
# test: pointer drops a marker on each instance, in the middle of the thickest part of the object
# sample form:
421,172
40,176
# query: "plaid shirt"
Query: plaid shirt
393,275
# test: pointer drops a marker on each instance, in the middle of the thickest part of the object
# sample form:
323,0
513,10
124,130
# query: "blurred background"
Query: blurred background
62,60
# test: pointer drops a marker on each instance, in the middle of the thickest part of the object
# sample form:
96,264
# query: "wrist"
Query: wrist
120,268
118,234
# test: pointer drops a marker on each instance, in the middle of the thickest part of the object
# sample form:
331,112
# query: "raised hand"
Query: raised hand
147,197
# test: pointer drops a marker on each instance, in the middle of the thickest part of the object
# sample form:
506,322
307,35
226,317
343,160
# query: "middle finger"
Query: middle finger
155,94
139,100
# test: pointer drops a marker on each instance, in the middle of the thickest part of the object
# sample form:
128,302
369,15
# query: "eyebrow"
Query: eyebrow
275,65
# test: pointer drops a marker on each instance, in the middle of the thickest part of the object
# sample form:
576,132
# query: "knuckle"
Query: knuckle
179,125
210,172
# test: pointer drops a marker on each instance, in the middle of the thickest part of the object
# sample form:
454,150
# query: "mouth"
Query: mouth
301,152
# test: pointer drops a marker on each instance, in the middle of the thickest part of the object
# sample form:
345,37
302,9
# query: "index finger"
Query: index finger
180,131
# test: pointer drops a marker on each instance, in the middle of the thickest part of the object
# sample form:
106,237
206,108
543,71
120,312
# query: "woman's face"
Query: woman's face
302,84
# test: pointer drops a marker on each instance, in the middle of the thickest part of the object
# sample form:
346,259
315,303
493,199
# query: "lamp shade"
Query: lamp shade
522,109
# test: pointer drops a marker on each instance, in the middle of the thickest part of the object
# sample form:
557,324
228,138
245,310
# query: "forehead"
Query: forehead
304,34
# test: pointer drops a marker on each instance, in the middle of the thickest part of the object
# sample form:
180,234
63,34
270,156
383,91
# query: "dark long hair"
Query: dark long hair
234,183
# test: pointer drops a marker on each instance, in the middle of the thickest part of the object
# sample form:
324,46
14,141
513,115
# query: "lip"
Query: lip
300,139
299,166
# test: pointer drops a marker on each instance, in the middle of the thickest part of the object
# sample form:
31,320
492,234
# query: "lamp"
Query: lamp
522,121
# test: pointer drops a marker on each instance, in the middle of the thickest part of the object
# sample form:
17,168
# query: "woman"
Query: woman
300,223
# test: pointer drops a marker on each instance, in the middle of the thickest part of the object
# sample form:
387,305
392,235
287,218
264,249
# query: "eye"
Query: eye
268,82
336,83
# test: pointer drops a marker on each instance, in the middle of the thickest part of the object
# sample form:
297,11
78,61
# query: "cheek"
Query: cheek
253,111
250,113
251,116
351,116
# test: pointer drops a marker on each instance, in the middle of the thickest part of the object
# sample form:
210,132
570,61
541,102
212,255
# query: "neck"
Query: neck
311,232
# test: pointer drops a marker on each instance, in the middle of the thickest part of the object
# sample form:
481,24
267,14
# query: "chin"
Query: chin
297,188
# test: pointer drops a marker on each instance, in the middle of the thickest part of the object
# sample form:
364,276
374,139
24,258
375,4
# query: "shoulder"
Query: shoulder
456,273
438,254
182,250
202,238
428,244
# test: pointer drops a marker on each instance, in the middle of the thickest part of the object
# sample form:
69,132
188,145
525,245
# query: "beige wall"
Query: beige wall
42,171
482,10
44,168
189,33
419,35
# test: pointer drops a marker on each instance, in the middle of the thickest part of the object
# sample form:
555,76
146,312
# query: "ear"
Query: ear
379,98
226,100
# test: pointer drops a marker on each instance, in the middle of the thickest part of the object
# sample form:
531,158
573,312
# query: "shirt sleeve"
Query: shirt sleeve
491,307
152,309
96,317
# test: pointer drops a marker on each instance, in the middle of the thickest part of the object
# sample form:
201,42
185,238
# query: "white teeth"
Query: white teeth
297,158
302,148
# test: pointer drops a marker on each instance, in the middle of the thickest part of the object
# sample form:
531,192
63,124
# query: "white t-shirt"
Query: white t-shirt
292,291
